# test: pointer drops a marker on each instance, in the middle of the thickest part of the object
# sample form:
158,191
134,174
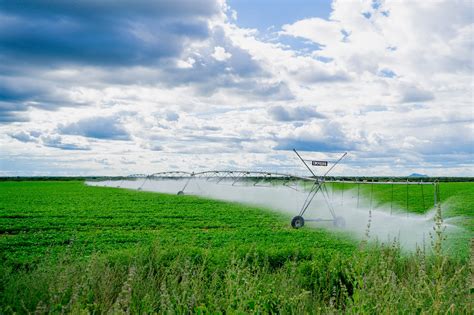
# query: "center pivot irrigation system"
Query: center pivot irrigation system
263,179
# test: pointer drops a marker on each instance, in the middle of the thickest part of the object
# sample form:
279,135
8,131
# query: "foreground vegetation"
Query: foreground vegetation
67,247
158,280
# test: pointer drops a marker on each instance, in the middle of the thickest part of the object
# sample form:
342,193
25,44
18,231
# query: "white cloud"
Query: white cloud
320,31
185,64
220,54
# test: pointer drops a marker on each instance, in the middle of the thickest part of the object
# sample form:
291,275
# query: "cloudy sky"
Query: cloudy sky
115,87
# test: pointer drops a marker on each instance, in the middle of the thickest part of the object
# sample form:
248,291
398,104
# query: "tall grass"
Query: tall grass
375,279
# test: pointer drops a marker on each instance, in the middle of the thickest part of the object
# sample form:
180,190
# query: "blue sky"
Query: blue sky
265,14
121,87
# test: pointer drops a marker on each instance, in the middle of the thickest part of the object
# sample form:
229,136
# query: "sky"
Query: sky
120,87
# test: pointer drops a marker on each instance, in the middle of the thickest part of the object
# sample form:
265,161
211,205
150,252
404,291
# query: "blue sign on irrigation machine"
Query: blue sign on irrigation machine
319,163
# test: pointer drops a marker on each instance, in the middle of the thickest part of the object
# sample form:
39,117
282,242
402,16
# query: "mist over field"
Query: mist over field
409,229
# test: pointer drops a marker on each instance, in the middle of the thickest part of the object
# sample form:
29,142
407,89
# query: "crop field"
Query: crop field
69,247
457,199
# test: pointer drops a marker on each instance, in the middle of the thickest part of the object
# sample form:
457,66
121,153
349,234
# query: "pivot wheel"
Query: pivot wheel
180,193
339,222
297,222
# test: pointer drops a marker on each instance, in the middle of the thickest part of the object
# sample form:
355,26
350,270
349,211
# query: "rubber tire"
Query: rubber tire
297,222
339,222
180,193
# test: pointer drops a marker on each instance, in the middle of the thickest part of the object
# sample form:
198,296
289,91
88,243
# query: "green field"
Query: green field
457,198
68,247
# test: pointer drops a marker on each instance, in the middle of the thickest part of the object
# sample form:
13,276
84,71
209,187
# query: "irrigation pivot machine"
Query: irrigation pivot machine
265,179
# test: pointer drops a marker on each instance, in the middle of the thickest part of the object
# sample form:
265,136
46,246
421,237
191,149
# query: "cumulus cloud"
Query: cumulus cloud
221,64
55,141
54,39
12,100
436,141
299,113
412,94
104,33
107,128
327,136
11,116
408,35
311,145
317,30
220,54
70,56
24,137
172,116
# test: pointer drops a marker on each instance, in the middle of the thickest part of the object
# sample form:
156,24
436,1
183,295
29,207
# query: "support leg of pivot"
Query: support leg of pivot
181,192
339,222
